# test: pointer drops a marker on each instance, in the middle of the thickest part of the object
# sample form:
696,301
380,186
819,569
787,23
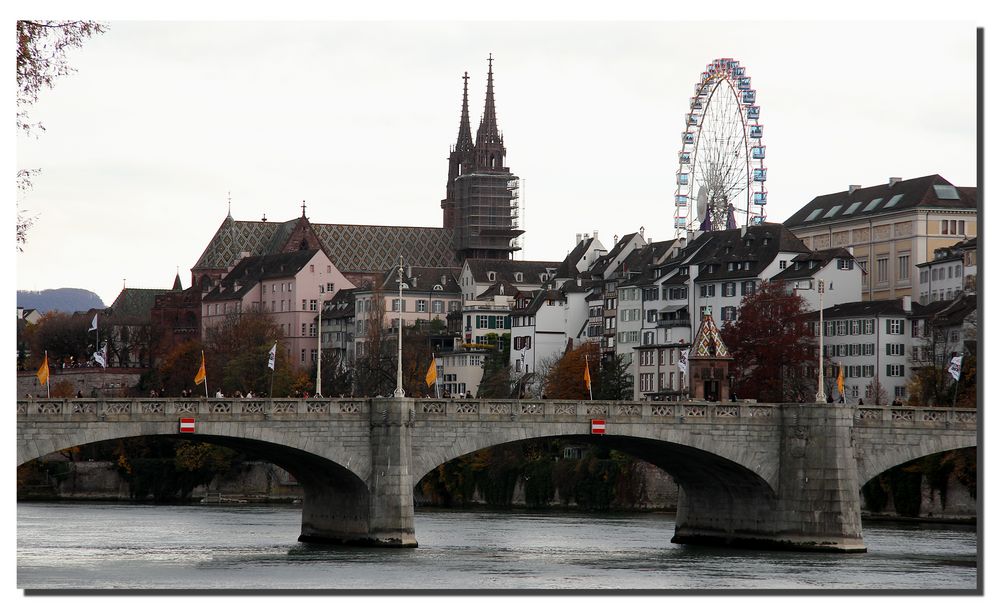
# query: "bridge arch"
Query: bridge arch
876,462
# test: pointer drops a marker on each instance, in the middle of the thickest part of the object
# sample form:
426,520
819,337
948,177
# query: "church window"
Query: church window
312,268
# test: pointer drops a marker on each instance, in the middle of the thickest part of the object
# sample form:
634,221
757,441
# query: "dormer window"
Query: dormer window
491,276
438,287
518,277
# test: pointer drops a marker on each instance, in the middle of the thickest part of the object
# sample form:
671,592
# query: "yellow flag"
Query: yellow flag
43,371
200,377
432,373
586,376
840,380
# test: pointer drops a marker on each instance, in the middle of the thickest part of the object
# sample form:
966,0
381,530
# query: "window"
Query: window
678,293
303,358
453,306
707,290
855,327
312,305
841,327
437,307
421,305
398,305
894,371
894,326
749,288
312,329
904,267
728,289
329,285
882,269
944,227
846,264
782,264
863,263
894,349
900,392
729,313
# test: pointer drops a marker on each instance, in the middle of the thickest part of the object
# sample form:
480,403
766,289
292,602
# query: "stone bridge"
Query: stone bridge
759,475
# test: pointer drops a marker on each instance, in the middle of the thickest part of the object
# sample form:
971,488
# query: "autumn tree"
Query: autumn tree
565,379
770,343
63,336
236,356
41,58
496,382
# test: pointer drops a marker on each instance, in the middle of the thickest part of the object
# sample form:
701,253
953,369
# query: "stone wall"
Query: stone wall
90,382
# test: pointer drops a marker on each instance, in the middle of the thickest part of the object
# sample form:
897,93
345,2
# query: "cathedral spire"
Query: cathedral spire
488,133
464,129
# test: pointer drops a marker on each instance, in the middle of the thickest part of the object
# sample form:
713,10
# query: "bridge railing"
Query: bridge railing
465,409
904,415
182,406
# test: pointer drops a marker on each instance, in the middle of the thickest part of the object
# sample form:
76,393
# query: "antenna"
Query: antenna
229,203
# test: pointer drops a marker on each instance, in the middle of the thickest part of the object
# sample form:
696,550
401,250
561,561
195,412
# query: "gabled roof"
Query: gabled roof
539,298
876,200
601,265
864,309
422,279
341,306
639,265
252,270
756,245
134,304
500,287
352,248
708,341
567,269
821,258
954,312
506,268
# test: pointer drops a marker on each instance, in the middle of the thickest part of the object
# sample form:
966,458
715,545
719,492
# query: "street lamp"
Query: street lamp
319,345
399,352
820,393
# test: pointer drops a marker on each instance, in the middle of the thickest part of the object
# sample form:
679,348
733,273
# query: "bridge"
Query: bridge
781,476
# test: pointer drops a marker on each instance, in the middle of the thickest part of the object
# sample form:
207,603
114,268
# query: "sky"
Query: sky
165,125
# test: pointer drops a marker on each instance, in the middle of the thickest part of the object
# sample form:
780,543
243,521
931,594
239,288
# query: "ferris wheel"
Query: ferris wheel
721,172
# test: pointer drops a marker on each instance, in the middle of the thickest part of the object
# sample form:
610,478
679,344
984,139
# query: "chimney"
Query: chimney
595,234
907,304
894,179
852,188
850,249
579,281
409,271
579,238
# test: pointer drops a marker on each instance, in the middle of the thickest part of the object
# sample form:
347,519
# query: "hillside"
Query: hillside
64,300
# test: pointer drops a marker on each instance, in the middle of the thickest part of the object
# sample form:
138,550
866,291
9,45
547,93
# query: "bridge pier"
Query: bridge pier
378,513
816,506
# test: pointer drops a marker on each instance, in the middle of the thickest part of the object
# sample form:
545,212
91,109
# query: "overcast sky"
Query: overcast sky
162,119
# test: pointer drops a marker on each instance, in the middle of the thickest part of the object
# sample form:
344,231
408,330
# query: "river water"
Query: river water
91,545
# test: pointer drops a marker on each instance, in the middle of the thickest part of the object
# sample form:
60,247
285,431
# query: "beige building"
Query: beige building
889,228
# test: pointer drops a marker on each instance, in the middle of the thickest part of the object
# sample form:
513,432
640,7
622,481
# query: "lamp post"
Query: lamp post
399,352
820,393
319,346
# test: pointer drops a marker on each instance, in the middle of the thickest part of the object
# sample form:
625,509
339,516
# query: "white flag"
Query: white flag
271,354
93,325
100,357
682,361
955,369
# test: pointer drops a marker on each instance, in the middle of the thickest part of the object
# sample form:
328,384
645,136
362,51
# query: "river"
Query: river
93,545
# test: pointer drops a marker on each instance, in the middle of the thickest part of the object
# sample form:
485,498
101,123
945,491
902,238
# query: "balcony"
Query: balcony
669,323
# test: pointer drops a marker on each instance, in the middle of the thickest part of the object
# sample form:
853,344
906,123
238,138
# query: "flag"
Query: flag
840,380
101,356
955,368
682,361
586,375
271,355
43,371
432,373
93,325
200,377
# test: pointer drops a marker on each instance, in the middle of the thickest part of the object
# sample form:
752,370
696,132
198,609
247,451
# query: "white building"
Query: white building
950,273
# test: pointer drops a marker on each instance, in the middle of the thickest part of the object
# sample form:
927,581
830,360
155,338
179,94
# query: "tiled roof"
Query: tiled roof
500,287
505,268
955,312
134,304
252,270
423,279
341,306
351,248
601,265
821,257
871,201
757,246
567,269
864,309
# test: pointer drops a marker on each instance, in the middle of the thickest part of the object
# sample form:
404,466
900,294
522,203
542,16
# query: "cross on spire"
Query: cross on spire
303,208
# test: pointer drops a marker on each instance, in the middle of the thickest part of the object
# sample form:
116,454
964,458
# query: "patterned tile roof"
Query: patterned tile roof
351,248
134,304
708,342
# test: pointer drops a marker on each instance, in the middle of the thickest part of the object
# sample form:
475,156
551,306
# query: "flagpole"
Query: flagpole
48,392
954,394
206,373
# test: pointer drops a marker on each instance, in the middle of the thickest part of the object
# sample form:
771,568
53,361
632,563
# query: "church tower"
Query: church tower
480,200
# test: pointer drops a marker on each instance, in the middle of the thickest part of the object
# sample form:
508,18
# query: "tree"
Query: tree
63,336
496,382
41,57
770,343
613,381
565,379
236,355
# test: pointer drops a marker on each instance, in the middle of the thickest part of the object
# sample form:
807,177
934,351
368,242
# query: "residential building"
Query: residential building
288,286
478,275
338,326
950,273
836,268
890,228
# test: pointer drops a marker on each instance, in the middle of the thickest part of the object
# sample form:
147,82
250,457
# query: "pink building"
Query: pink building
290,286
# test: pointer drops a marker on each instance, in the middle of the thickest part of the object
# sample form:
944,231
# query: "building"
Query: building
337,326
544,324
836,268
481,199
429,295
890,228
478,275
950,273
289,286
130,338
176,316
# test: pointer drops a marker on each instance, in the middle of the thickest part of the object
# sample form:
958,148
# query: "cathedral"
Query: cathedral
479,219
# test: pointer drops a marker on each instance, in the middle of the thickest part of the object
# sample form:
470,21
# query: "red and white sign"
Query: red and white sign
187,425
596,427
